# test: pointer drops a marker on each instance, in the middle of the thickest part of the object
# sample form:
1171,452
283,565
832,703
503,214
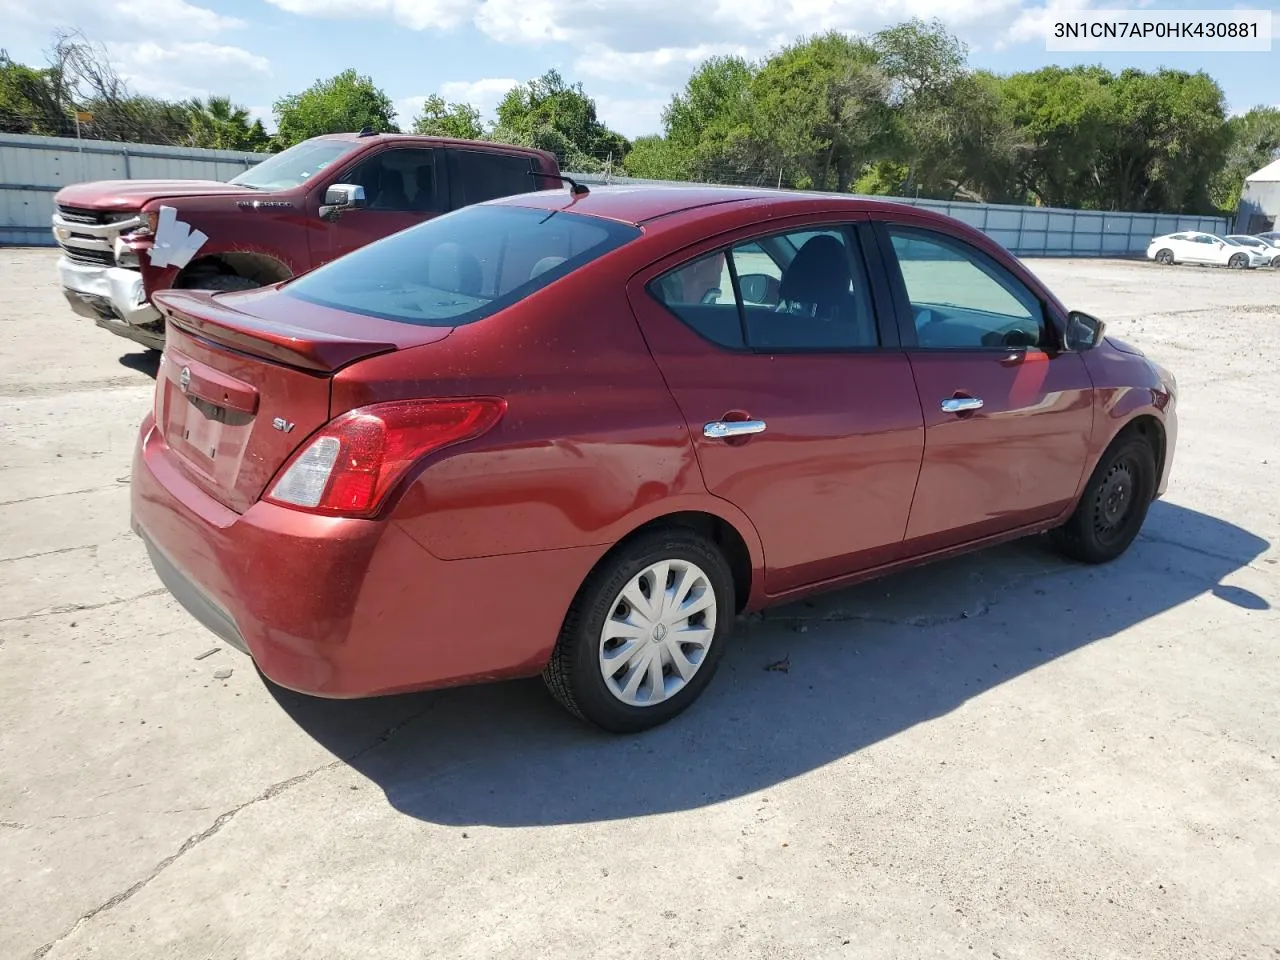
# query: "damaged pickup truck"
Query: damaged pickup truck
122,240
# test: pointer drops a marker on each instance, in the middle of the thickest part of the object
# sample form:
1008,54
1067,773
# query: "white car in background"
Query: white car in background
1267,248
1204,249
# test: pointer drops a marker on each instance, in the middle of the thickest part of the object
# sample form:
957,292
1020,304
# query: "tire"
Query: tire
1238,262
1165,257
223,282
576,673
1114,503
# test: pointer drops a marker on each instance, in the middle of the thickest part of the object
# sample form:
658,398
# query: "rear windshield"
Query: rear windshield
462,266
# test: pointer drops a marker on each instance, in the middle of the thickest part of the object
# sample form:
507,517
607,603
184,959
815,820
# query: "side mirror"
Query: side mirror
759,288
339,197
1084,332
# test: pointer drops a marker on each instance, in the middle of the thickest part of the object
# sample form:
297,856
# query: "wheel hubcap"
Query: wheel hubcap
1114,499
658,633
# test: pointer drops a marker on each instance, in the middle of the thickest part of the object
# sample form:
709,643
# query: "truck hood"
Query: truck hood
132,194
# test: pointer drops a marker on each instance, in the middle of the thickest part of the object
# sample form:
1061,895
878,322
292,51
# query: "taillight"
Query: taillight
351,464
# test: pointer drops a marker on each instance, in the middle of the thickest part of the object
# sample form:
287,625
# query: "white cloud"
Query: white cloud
414,14
162,16
631,117
181,70
116,18
669,64
1033,23
483,94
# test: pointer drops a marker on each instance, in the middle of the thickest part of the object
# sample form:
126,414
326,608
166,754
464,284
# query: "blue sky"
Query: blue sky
629,54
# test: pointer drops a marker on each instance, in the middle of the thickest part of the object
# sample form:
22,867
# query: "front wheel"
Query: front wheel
1238,262
1165,257
223,282
646,632
1114,503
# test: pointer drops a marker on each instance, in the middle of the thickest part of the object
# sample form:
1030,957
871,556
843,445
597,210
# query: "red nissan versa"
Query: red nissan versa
575,434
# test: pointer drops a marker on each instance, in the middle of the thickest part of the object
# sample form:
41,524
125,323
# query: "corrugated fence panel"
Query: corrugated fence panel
33,169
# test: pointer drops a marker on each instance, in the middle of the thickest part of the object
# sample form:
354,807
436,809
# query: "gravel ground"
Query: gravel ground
1000,756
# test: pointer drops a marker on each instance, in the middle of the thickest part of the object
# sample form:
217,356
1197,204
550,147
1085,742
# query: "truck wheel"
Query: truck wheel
222,282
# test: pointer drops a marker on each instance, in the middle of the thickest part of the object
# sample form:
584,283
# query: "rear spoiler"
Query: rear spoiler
197,313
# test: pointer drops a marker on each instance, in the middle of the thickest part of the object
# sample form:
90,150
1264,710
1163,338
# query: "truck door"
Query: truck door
402,186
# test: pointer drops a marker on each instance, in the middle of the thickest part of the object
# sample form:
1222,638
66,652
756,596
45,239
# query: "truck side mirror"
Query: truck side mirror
341,196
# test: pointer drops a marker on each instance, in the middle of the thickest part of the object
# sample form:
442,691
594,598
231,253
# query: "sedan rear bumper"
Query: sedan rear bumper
346,608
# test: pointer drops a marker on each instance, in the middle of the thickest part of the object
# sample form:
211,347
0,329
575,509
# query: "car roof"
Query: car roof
639,204
410,138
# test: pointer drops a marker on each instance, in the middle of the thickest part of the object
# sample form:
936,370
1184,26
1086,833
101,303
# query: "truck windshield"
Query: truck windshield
294,166
461,267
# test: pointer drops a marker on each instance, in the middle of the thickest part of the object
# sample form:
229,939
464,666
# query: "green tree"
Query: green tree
1255,142
440,119
32,101
708,127
550,114
219,124
930,89
821,111
347,102
657,158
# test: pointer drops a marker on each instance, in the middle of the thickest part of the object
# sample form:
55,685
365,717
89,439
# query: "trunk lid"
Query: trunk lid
243,384
116,195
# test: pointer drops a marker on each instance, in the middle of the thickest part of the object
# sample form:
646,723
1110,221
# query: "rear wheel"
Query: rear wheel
645,634
1114,503
1165,257
1238,262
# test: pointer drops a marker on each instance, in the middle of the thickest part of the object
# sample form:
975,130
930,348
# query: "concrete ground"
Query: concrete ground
1000,756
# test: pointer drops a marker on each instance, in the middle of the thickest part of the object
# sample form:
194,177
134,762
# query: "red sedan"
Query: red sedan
576,434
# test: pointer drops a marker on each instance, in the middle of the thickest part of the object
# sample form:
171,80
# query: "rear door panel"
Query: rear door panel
828,485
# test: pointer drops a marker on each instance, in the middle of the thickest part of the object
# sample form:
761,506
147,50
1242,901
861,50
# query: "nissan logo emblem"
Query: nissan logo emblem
184,379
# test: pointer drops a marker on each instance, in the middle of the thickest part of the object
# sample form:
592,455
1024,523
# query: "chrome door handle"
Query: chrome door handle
960,404
723,429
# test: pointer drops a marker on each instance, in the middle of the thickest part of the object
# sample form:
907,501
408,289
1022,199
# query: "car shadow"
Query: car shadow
803,685
147,361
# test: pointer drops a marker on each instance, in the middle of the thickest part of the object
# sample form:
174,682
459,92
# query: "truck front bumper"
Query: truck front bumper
114,298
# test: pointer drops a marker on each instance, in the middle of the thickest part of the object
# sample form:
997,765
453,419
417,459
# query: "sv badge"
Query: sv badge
281,424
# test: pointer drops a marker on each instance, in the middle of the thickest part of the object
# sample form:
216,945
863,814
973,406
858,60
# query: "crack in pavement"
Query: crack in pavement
77,607
49,553
275,790
1212,555
14,825
980,608
983,607
67,493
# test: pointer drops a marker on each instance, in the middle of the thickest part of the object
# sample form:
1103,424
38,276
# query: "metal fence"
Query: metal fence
33,169
1044,231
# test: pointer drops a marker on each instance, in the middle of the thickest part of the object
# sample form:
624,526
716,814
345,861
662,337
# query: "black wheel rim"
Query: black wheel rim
1117,500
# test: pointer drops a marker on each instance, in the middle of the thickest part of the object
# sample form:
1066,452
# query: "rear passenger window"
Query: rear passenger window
477,175
806,290
701,294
